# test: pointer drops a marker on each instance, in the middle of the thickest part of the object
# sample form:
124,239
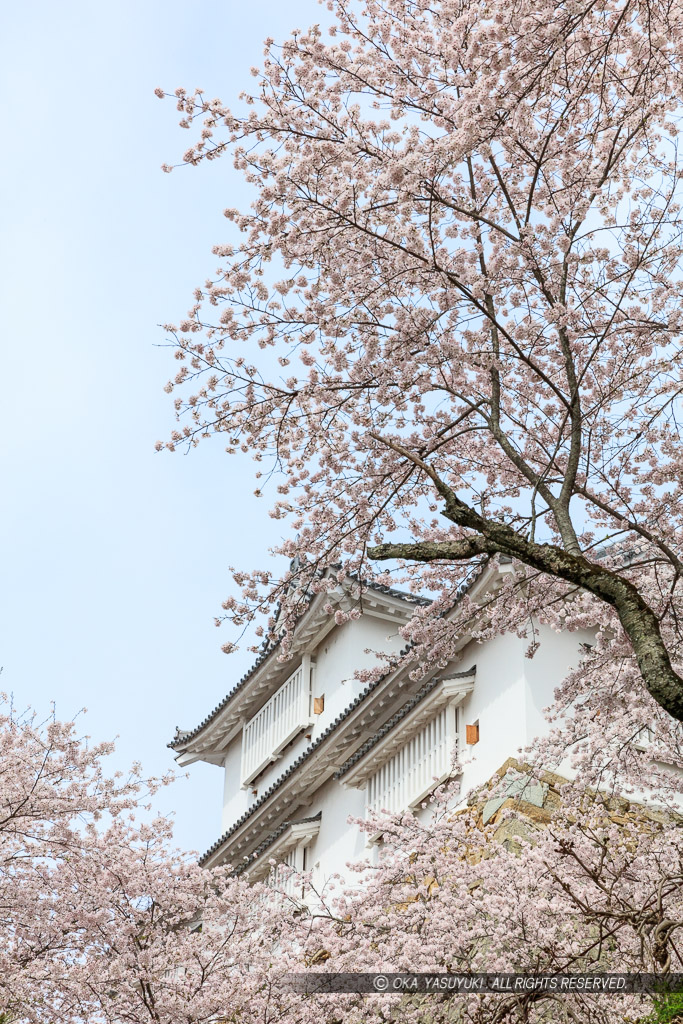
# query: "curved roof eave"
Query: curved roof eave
183,737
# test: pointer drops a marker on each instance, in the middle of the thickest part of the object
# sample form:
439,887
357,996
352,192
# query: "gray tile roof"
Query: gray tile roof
269,840
301,758
398,717
182,736
461,591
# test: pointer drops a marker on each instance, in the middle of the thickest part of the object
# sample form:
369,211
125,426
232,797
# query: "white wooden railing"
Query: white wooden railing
410,774
278,722
285,880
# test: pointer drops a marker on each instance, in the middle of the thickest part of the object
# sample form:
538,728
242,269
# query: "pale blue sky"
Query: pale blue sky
115,558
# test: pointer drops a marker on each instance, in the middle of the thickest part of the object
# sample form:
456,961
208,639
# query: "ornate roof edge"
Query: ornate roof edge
184,736
272,838
266,795
414,701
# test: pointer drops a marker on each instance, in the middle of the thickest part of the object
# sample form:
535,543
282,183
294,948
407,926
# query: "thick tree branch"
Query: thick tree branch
636,617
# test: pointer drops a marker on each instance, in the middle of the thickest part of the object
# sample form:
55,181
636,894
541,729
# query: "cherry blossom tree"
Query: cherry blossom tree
451,329
590,882
102,921
595,890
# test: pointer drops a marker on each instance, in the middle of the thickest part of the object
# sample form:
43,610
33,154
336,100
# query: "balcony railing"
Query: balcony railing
410,774
277,723
284,879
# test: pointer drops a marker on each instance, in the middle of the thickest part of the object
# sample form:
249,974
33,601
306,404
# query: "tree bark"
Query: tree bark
636,617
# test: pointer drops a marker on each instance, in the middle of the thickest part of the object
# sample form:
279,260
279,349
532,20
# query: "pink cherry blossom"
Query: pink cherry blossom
472,216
